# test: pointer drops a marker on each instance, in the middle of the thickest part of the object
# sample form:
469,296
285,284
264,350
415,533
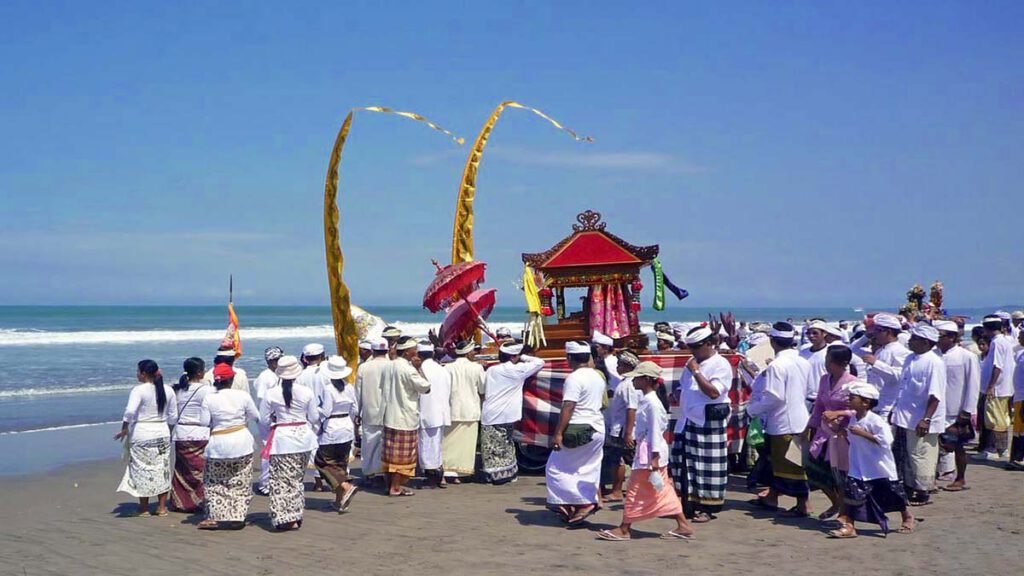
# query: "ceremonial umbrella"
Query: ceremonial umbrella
467,315
451,283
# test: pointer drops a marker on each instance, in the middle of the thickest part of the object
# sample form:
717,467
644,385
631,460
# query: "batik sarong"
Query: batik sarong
788,478
707,463
400,452
149,468
819,472
228,488
331,461
498,450
573,475
870,500
287,499
643,502
459,448
187,483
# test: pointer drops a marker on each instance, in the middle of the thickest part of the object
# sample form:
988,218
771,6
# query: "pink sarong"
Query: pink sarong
643,502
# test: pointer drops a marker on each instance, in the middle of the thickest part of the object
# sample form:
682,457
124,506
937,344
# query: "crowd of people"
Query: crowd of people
877,415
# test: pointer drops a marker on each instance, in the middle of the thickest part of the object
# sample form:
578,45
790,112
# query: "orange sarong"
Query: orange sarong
643,502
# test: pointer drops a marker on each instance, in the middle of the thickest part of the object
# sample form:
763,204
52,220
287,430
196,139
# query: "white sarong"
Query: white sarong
372,449
573,475
430,448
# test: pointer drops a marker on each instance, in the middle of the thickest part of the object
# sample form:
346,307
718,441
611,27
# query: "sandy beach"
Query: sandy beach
72,522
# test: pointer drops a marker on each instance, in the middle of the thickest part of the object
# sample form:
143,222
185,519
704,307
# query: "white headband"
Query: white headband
699,335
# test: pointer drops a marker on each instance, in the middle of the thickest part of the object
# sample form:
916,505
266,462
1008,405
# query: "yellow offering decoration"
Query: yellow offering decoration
346,331
462,234
534,322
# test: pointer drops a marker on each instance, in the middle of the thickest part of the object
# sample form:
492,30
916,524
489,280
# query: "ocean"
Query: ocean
69,368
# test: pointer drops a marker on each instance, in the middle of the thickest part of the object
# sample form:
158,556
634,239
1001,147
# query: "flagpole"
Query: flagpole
231,288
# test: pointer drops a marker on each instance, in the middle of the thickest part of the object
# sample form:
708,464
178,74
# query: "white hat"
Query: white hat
698,334
288,368
992,319
365,345
273,353
926,331
379,345
890,321
313,350
602,339
406,344
861,388
1017,315
649,369
424,346
666,337
827,328
229,353
465,347
503,332
946,326
573,347
783,332
337,368
511,349
1003,315
391,332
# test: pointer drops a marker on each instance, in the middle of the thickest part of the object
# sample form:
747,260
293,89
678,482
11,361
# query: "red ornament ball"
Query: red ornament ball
634,306
637,285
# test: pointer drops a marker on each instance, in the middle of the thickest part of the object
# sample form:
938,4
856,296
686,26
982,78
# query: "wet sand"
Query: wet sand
72,522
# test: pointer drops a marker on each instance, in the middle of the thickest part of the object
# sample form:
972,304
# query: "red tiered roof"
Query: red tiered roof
589,246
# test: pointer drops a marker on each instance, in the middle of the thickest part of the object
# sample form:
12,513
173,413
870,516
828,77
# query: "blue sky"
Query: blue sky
802,154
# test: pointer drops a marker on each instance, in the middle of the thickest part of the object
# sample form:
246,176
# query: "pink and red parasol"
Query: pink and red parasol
452,283
467,315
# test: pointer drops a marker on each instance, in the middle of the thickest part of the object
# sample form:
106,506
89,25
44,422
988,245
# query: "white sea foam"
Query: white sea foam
23,392
54,428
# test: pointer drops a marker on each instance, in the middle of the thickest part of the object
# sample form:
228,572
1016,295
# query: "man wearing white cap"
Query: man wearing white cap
403,384
997,370
919,414
610,364
365,351
391,334
502,408
573,471
227,356
370,386
820,335
459,446
1016,320
264,382
435,415
963,380
884,359
312,355
779,399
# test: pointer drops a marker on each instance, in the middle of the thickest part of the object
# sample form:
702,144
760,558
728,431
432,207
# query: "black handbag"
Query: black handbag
716,411
577,435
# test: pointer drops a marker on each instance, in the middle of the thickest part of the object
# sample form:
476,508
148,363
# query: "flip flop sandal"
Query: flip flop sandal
759,503
580,518
606,535
956,488
904,529
841,533
346,500
673,535
918,503
702,518
145,514
163,513
204,525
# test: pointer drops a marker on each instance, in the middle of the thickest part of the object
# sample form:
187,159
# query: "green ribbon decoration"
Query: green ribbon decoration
659,284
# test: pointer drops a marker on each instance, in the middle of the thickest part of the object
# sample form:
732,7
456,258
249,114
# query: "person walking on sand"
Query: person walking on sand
872,485
190,438
619,422
435,415
226,413
963,382
227,355
266,380
884,359
650,493
403,384
152,409
289,411
369,388
459,444
997,385
336,431
573,471
828,462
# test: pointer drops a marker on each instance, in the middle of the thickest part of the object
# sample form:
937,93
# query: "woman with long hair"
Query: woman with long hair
190,438
337,431
289,411
226,412
151,411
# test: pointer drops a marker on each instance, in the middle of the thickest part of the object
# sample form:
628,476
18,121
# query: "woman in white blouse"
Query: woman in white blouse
151,409
190,438
336,431
288,410
226,413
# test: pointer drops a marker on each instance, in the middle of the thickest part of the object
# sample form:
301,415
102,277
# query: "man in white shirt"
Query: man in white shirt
919,414
884,359
370,386
403,385
605,347
619,421
459,445
391,334
963,380
312,355
264,382
997,385
435,414
227,356
502,408
365,351
1016,320
779,399
820,335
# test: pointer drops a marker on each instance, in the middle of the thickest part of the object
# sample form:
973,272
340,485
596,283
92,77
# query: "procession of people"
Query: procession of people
877,415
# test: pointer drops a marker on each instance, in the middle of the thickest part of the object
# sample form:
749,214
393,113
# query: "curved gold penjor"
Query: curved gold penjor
346,334
462,233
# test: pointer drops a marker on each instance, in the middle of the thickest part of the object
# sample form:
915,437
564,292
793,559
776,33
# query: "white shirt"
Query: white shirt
240,382
403,385
190,406
870,461
370,386
625,398
651,423
780,398
315,380
923,376
265,381
963,381
436,407
585,387
290,439
1000,355
333,427
145,422
223,409
503,390
817,361
467,388
692,400
1018,378
611,363
885,373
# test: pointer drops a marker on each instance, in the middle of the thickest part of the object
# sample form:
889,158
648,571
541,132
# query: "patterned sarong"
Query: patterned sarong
286,491
677,463
228,488
331,461
869,500
819,472
498,450
788,478
187,483
707,463
149,468
400,451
